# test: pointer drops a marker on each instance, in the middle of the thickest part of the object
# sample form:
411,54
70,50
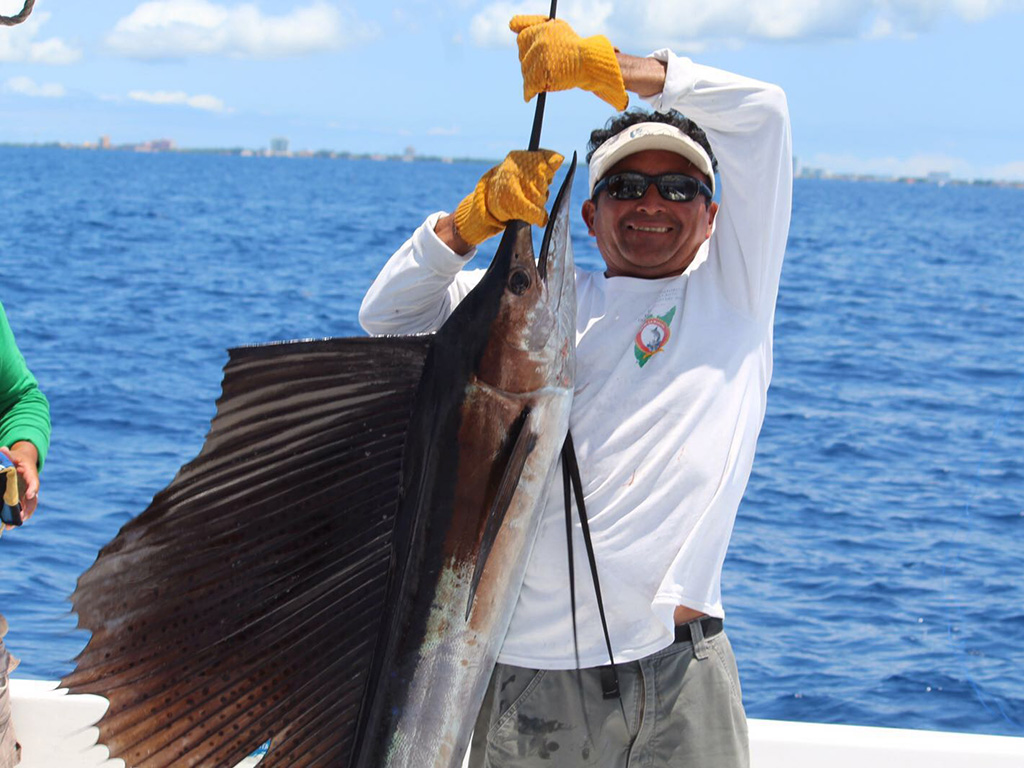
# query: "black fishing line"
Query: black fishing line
569,457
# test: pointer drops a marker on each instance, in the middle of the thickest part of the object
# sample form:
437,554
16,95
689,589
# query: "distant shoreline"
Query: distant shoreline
934,179
165,147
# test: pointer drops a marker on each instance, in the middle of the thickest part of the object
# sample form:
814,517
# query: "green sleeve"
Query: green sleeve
24,410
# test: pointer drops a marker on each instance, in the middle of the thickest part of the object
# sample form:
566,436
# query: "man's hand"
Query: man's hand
555,58
24,456
516,188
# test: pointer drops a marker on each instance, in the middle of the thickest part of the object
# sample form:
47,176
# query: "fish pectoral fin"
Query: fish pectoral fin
522,442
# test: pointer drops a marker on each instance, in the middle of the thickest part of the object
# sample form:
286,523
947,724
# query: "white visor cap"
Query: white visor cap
643,136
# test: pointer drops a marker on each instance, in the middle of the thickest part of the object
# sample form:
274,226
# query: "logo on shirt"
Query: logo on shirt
653,336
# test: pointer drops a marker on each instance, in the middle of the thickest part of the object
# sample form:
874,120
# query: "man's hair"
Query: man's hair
619,123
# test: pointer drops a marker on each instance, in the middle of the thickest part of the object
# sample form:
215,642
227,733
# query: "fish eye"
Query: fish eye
519,282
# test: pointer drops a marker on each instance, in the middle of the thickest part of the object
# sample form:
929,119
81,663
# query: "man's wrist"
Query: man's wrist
26,449
448,233
642,75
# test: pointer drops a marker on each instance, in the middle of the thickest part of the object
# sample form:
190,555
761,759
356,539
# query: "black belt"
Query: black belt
710,625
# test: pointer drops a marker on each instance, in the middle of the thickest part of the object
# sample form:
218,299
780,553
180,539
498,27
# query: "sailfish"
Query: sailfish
336,570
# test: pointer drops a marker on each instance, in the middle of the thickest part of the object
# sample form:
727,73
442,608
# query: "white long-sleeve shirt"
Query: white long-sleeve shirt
671,381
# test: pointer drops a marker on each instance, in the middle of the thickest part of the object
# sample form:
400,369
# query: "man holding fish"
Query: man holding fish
674,358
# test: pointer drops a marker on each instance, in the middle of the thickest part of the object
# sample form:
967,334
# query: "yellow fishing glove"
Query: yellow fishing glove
516,188
555,58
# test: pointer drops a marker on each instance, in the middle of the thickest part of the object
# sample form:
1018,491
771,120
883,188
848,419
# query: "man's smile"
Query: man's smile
648,228
656,228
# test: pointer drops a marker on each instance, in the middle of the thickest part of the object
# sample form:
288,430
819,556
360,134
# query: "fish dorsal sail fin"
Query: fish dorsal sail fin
522,442
244,603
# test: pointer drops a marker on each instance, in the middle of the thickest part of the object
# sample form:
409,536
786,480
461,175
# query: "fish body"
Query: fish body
336,570
497,390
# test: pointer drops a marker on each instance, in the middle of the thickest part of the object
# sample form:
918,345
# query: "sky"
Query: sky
892,87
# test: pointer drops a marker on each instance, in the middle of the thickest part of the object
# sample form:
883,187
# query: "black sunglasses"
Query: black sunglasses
632,185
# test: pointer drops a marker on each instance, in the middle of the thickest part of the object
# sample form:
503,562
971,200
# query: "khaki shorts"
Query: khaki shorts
682,706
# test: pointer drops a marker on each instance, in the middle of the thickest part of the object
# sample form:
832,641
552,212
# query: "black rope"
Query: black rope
571,469
567,495
10,21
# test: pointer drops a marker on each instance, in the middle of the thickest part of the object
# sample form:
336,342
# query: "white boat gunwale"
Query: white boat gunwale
56,731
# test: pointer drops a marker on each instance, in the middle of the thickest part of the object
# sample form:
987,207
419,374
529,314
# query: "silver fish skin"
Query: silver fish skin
482,452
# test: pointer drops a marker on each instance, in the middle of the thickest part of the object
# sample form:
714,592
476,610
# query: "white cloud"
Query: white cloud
977,10
688,20
1009,171
697,24
26,86
179,28
180,98
406,21
879,28
452,131
489,27
19,43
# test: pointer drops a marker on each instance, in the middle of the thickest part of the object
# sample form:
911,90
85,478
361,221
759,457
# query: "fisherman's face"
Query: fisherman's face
651,237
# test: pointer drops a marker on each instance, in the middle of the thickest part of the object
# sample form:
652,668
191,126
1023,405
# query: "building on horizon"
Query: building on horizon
156,145
279,145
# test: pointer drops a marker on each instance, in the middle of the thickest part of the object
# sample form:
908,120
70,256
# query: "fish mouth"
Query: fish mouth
555,265
543,287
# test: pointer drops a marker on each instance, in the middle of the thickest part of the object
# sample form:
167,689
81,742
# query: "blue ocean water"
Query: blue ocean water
875,571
